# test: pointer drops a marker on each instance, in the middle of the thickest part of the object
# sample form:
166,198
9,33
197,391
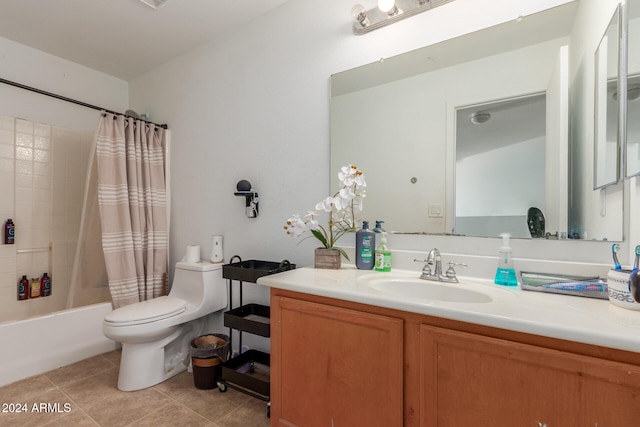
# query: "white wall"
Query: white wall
34,68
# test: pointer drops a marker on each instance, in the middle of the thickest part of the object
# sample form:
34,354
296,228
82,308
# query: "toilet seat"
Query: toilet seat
146,311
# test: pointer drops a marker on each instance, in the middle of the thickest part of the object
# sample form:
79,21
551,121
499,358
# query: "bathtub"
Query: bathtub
40,344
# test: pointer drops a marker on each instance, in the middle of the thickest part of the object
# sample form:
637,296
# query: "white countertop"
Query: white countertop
580,319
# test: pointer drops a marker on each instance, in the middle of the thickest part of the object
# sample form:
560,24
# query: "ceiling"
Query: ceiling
123,38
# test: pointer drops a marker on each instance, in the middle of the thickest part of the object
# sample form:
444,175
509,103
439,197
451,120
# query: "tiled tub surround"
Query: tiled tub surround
43,169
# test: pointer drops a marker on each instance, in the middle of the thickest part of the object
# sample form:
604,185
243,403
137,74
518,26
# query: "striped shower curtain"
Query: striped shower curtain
133,206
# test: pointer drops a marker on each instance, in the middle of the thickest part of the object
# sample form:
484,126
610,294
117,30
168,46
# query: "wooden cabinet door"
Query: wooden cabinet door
611,394
334,367
471,380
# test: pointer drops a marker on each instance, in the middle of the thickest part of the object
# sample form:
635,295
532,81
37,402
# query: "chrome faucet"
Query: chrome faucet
432,269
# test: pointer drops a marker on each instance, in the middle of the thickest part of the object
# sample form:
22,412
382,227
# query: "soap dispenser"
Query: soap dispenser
505,273
383,255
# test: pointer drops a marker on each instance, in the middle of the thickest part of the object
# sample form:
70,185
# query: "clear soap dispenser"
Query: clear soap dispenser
505,273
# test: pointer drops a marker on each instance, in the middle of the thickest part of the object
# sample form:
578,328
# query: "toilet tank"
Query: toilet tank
200,284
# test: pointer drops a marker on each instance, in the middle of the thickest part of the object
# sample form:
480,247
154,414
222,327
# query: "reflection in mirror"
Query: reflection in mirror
633,91
606,138
396,118
500,168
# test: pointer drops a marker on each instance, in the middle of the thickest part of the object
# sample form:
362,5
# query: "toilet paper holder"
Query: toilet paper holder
243,188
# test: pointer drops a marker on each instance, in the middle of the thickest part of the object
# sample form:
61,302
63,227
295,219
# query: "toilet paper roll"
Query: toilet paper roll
192,254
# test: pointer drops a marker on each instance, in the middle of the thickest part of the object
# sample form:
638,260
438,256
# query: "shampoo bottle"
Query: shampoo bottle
505,274
9,232
23,288
365,244
45,284
383,255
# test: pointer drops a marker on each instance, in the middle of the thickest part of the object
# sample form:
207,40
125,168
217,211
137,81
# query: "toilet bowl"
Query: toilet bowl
155,334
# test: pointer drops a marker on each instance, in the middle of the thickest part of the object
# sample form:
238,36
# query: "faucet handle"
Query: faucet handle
451,273
426,270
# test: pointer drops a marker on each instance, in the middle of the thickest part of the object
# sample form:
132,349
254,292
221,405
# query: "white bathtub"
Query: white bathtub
40,344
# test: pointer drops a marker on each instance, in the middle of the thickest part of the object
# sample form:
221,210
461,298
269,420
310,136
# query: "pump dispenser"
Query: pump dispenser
505,274
383,255
365,247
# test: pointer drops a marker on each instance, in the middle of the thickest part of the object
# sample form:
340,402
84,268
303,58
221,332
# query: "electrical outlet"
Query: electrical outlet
435,210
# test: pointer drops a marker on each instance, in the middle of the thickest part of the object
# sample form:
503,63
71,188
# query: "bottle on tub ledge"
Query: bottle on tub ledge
23,288
45,284
9,232
34,288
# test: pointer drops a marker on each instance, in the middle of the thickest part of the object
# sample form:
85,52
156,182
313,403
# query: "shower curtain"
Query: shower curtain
133,207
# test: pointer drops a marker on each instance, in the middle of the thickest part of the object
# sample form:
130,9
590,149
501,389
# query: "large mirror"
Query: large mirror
402,120
606,137
633,90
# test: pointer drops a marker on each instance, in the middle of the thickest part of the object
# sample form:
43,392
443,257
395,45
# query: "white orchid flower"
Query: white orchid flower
341,208
325,205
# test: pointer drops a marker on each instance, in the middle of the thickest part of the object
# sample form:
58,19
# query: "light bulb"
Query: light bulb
387,6
359,15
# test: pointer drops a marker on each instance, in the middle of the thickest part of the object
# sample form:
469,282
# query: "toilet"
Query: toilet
156,334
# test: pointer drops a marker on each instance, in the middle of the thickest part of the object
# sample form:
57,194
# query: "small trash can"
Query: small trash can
207,354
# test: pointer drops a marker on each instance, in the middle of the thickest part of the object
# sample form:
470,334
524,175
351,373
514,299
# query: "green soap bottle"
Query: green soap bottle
505,273
383,255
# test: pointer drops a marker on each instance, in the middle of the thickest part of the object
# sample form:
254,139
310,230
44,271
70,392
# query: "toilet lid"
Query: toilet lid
146,311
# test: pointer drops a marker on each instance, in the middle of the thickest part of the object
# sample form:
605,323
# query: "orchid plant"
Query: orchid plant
342,208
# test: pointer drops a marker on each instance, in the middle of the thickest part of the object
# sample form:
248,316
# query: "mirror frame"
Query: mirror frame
635,76
602,82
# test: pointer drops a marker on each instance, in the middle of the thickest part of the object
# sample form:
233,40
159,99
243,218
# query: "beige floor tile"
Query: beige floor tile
25,389
124,408
80,371
89,389
75,419
47,407
92,391
251,414
113,357
173,414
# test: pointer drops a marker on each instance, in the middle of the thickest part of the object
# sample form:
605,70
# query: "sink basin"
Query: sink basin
426,290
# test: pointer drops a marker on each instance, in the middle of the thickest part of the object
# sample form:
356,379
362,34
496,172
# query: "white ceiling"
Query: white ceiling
123,38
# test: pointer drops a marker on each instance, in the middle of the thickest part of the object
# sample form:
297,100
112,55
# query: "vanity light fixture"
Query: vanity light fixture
389,11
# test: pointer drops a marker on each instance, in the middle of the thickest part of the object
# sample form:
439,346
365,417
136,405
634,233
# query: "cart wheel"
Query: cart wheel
268,409
222,387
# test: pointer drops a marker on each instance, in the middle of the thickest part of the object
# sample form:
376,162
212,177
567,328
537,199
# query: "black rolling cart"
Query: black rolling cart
248,372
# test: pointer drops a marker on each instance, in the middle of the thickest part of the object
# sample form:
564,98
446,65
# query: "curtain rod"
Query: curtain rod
73,101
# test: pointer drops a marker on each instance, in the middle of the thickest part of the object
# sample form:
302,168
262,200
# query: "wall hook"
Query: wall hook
244,189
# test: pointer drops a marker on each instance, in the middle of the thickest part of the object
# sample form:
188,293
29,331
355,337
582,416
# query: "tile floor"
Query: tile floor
85,394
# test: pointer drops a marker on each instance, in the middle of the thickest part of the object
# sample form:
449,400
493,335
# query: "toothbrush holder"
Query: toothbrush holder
619,289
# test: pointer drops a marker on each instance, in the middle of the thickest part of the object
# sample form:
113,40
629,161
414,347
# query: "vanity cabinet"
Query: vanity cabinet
470,379
339,363
332,366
